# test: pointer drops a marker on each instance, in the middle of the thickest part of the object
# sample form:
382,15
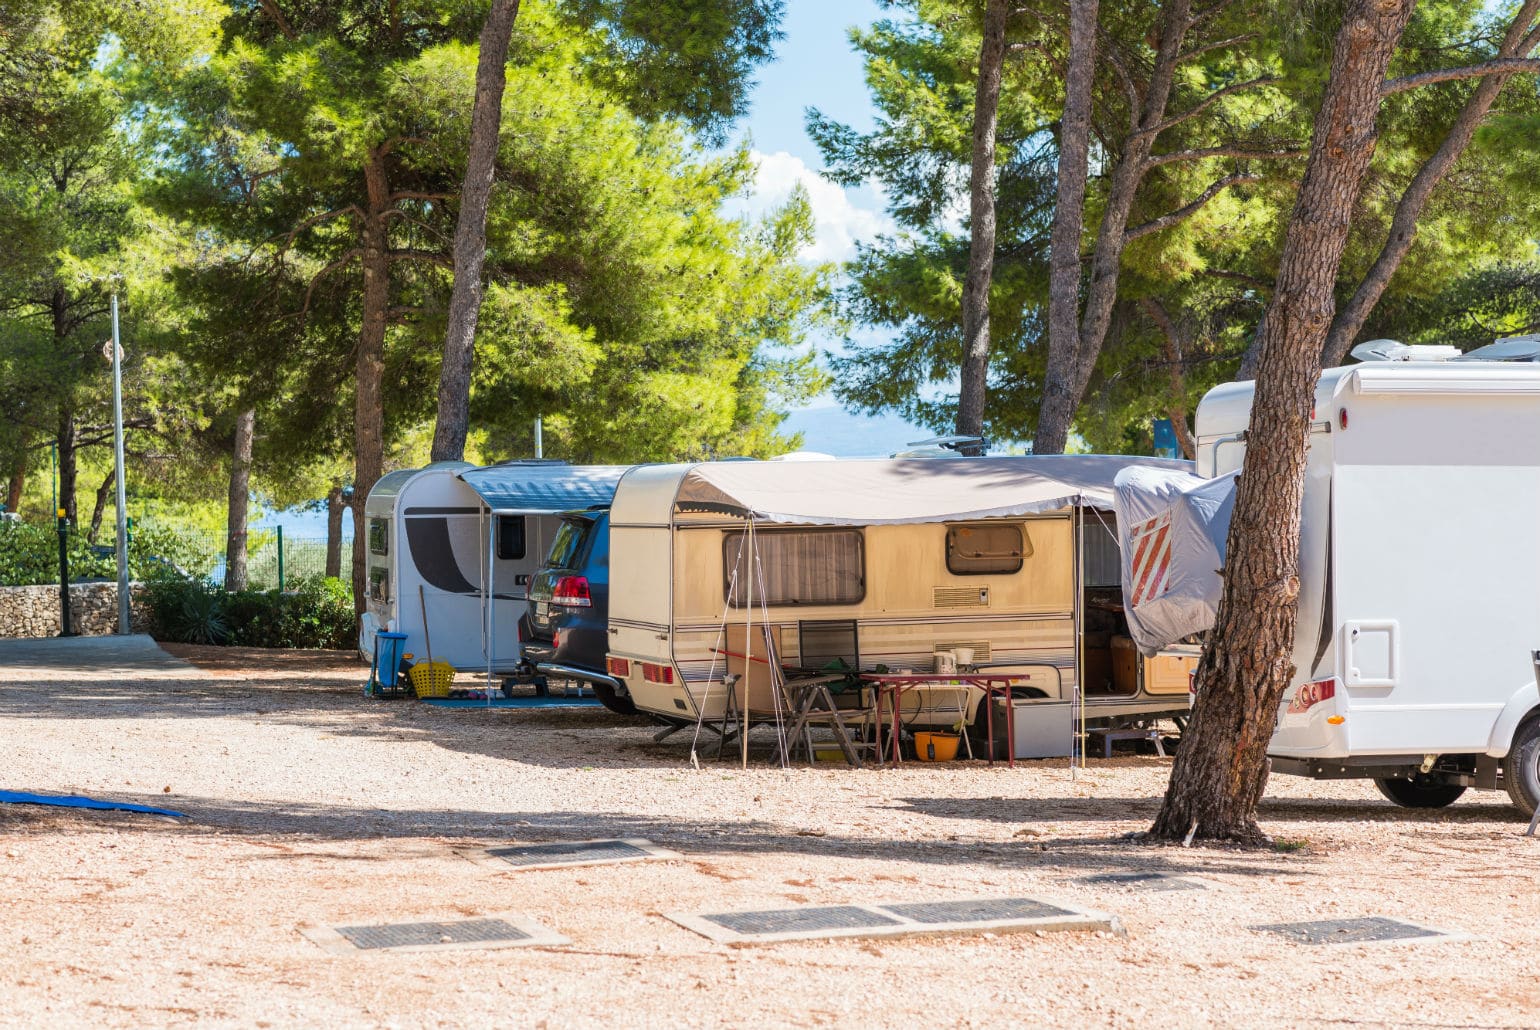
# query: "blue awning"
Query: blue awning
537,488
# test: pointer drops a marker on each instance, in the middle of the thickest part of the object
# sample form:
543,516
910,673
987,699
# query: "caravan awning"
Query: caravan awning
863,493
542,488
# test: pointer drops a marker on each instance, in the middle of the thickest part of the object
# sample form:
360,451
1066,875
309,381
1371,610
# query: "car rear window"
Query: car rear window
567,548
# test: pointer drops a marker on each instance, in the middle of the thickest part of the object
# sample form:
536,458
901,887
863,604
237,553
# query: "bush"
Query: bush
29,556
319,613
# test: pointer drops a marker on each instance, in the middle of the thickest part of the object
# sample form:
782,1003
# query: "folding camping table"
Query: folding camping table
893,685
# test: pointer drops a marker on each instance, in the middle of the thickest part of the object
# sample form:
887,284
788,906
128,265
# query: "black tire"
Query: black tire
614,700
1521,768
1419,790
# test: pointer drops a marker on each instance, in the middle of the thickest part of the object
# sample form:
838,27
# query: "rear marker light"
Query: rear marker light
1342,418
572,592
618,667
1335,720
658,673
1311,694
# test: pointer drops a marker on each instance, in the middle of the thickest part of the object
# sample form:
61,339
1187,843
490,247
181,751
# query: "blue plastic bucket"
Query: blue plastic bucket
388,648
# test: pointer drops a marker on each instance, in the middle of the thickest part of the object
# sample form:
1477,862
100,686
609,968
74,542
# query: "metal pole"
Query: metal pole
53,472
280,559
65,627
539,439
117,447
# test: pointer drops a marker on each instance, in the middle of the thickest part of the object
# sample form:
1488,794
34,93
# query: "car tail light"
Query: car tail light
620,668
1311,694
658,673
572,591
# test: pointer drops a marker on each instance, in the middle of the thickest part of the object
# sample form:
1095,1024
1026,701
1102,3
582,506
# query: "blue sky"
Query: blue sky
815,67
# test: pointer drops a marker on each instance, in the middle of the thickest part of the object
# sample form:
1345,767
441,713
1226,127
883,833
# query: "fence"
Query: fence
29,554
275,560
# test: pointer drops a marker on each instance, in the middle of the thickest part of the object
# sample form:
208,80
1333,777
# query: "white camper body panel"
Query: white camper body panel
429,537
670,573
1419,558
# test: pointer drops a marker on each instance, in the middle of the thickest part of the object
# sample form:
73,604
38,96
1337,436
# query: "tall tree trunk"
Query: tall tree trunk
470,247
334,511
369,366
99,509
1073,351
16,485
1068,226
1221,769
981,210
240,497
1403,226
68,463
1171,352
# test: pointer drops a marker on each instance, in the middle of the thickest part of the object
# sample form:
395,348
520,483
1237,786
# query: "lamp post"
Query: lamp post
117,449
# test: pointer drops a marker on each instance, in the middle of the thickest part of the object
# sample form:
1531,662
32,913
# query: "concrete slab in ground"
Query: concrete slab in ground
92,658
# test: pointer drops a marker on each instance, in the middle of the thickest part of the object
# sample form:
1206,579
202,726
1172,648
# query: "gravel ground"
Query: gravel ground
313,806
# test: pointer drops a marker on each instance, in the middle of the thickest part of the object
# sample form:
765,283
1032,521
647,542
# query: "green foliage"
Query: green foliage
29,556
319,614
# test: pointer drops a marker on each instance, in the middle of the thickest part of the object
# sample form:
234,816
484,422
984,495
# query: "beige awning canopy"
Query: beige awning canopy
906,490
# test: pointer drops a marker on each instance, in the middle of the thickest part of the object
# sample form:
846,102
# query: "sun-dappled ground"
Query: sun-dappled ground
311,805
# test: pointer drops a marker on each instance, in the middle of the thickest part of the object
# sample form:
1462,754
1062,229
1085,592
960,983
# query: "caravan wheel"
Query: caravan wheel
1419,791
1521,769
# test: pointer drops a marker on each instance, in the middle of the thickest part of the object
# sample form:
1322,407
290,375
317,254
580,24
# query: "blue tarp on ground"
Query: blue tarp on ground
16,797
513,702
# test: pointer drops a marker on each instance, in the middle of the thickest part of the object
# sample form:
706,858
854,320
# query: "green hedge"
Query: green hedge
29,556
317,614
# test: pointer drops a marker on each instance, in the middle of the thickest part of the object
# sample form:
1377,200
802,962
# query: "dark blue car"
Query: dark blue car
569,605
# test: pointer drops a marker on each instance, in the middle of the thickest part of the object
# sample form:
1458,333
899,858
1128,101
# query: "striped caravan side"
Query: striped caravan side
1150,569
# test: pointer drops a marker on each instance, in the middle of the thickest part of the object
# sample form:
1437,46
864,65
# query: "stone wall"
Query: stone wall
34,611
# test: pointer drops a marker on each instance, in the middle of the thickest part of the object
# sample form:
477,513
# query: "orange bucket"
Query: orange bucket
935,747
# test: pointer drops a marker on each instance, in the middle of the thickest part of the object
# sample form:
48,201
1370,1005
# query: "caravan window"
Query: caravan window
795,567
978,548
510,537
379,536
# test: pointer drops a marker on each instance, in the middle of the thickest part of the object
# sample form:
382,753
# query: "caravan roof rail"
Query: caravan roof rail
1507,348
1395,350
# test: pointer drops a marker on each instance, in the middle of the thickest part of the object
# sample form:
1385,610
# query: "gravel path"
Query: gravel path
313,806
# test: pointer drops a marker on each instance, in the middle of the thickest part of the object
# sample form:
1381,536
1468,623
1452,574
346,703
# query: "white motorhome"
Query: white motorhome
1419,609
873,562
451,548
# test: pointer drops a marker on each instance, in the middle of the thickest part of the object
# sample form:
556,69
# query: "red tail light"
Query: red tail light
658,673
1311,694
620,668
572,591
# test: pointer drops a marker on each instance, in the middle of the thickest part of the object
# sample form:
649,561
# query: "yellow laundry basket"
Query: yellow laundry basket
432,679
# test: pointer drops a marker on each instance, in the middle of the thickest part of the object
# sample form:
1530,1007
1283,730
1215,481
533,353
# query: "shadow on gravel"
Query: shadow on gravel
280,827
1111,809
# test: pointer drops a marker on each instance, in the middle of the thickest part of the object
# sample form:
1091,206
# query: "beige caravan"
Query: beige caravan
1008,564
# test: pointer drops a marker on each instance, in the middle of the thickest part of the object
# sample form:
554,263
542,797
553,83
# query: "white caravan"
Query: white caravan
1419,609
451,548
996,562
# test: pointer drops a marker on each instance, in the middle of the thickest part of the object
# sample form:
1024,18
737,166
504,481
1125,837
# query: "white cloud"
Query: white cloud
839,221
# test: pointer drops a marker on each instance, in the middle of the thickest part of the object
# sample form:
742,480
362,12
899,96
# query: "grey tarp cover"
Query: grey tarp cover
533,488
912,490
1171,532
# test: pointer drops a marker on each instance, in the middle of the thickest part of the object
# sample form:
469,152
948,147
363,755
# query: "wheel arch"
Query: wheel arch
1521,704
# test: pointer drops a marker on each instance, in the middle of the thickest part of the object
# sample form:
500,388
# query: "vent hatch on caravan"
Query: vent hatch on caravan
1395,350
960,597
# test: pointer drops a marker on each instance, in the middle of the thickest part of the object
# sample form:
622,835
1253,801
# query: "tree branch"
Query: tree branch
288,237
1188,210
1211,99
1176,403
316,279
399,195
413,254
1241,152
271,7
1498,66
1217,45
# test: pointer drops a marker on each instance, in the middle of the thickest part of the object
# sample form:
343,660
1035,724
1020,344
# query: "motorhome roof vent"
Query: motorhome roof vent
1394,350
1507,348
